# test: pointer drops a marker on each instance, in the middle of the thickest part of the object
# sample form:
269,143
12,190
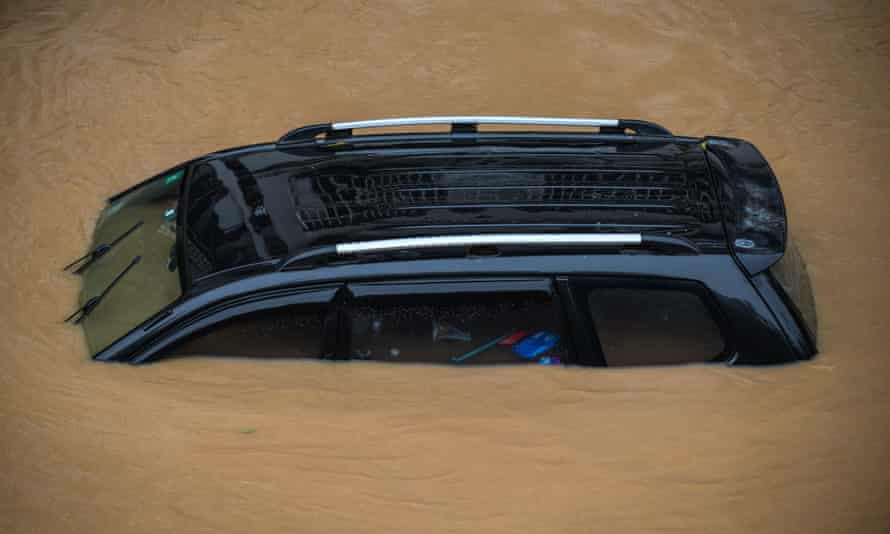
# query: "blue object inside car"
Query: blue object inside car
536,344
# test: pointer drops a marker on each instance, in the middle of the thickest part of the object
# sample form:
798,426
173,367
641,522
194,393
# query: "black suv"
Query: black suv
571,241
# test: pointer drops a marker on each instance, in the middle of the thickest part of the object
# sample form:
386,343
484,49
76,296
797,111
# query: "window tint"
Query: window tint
458,329
653,326
292,332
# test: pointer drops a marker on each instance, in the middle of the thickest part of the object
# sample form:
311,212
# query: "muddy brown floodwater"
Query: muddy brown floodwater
94,97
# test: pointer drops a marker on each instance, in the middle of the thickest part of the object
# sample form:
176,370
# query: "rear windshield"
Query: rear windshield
151,284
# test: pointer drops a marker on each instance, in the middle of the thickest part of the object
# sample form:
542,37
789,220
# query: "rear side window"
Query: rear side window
647,326
291,332
457,329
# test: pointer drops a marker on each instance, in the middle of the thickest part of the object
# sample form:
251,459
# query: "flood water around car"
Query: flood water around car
96,97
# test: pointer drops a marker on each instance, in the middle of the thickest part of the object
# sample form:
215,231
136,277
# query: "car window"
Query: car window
470,329
149,210
290,332
647,326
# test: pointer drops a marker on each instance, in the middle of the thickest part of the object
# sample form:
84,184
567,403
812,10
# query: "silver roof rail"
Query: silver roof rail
473,119
410,243
468,124
543,241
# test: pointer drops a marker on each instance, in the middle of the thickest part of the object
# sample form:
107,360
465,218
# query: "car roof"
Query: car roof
274,202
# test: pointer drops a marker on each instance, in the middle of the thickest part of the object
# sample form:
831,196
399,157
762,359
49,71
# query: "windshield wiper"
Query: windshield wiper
81,313
90,257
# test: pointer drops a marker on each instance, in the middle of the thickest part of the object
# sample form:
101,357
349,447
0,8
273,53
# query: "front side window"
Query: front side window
290,332
649,326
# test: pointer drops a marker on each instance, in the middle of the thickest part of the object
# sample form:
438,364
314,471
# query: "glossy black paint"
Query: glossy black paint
753,208
757,336
247,210
251,207
786,313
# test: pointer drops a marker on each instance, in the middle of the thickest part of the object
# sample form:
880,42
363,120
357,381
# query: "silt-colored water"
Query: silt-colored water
94,97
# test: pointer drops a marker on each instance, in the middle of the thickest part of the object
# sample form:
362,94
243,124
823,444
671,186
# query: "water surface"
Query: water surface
94,98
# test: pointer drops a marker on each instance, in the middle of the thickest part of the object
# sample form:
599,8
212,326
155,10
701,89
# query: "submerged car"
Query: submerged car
487,240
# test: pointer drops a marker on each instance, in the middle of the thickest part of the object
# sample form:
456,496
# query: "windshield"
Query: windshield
150,285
